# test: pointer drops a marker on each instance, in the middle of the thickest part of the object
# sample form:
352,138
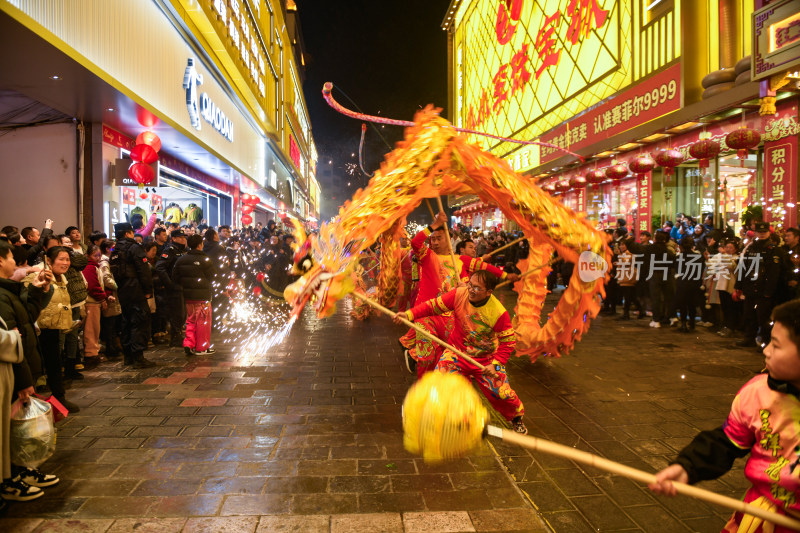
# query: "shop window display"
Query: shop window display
737,187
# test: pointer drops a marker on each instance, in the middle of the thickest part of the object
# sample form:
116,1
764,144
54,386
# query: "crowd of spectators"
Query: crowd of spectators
690,273
66,303
684,274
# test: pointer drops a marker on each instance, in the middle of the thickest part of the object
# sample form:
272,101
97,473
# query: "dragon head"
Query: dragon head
325,278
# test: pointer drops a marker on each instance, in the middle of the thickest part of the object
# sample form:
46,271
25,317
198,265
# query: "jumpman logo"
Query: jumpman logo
191,79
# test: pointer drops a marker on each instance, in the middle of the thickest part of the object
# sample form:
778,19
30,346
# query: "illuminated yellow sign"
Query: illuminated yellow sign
524,66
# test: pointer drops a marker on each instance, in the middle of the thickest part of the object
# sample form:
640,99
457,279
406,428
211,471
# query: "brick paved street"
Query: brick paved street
308,438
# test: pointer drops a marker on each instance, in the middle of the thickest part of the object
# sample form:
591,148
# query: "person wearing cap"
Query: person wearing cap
131,271
758,277
173,294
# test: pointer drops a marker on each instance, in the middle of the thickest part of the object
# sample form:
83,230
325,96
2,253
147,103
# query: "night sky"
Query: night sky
388,57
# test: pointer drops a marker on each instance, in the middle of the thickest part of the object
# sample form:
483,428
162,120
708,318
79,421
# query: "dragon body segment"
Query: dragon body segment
435,159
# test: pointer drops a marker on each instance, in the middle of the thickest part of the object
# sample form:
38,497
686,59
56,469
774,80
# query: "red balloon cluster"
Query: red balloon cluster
145,153
250,202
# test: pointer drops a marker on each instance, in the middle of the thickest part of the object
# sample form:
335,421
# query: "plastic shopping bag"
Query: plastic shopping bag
33,433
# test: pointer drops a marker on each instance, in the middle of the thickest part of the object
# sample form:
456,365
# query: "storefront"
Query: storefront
211,135
610,83
178,193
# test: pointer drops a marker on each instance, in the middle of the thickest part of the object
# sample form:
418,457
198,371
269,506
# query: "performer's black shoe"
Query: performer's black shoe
518,426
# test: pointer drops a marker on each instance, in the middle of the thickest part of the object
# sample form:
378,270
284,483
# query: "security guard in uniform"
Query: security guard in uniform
172,293
129,266
758,278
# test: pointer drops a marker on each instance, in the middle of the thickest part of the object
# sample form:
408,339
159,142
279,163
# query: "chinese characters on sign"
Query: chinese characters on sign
240,31
656,96
581,16
780,185
644,208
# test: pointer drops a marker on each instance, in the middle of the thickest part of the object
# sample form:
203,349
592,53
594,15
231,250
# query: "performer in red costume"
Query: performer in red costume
437,275
482,329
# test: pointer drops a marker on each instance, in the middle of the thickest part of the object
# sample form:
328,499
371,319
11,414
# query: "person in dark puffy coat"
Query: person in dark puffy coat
194,273
219,289
129,266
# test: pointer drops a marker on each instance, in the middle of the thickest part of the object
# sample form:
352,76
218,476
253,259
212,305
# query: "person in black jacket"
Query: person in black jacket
758,278
20,306
129,266
658,269
194,272
171,295
219,290
688,283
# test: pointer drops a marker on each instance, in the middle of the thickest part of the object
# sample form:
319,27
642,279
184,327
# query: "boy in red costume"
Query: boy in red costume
437,275
482,329
763,424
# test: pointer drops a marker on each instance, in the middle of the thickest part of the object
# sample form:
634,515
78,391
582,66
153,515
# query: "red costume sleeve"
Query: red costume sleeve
436,306
418,242
507,342
473,264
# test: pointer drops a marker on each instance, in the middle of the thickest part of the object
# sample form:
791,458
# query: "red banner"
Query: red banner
581,205
644,194
647,100
115,138
780,181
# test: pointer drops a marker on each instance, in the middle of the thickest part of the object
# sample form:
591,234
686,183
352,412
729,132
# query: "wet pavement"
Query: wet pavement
308,438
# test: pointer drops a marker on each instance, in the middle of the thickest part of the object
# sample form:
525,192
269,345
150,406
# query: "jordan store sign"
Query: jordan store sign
202,105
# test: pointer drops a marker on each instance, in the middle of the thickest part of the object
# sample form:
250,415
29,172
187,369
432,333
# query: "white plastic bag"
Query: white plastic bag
33,433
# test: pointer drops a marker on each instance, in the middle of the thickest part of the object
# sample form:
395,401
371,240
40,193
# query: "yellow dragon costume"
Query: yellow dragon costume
435,159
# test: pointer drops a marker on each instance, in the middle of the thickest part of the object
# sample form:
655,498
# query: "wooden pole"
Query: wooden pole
415,327
428,203
567,452
512,243
528,272
449,243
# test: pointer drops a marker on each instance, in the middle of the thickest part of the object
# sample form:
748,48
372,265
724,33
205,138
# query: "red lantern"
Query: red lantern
595,176
668,160
641,164
247,209
562,186
260,277
247,220
257,290
149,138
144,153
704,150
143,196
617,171
550,189
742,140
254,200
141,173
577,182
245,198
